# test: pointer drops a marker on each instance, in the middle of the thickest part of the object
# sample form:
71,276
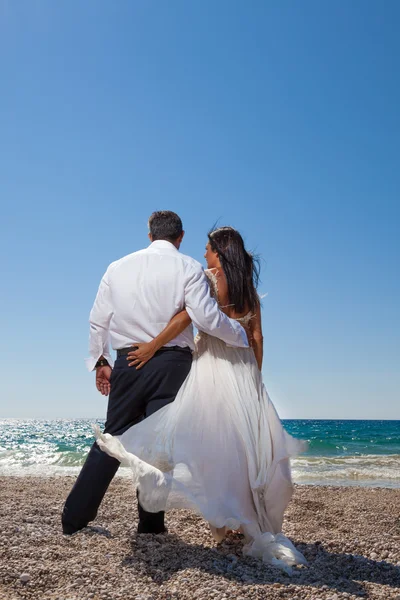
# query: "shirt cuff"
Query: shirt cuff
91,361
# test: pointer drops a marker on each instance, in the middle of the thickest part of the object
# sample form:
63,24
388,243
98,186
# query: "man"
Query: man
137,297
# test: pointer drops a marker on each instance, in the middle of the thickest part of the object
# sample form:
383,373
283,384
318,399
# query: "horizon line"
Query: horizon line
282,419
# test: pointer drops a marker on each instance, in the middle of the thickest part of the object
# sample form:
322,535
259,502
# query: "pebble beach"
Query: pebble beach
349,535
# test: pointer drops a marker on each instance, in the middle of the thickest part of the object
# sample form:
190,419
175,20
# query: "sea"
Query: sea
340,452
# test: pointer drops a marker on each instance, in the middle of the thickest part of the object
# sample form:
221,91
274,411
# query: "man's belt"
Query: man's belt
125,351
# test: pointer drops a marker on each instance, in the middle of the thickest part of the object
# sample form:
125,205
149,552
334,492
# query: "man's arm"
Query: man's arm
99,320
205,313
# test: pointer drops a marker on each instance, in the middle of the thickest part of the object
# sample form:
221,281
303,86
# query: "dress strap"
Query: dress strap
213,279
246,319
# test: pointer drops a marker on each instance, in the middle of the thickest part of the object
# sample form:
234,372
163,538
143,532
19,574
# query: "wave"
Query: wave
49,471
369,469
352,446
347,437
365,470
366,459
340,452
44,462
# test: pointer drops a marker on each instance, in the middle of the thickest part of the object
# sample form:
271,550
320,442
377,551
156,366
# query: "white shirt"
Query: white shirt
140,293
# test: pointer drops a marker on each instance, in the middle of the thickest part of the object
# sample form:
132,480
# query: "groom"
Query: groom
137,297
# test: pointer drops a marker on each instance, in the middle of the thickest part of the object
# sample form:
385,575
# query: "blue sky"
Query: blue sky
278,118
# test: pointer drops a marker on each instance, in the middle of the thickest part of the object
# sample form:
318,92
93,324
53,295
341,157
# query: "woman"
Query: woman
219,448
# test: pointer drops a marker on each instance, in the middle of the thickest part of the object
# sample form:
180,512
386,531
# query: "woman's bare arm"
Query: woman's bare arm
177,324
146,351
257,337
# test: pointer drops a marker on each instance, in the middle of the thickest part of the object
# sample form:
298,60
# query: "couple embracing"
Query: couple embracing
190,417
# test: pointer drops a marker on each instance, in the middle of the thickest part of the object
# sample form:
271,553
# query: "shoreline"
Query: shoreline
349,535
60,472
344,453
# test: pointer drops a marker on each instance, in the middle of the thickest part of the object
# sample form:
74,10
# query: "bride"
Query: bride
219,448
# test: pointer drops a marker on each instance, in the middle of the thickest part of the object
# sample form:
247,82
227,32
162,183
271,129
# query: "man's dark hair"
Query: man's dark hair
165,225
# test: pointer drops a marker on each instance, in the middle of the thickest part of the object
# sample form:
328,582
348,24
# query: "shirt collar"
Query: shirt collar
163,244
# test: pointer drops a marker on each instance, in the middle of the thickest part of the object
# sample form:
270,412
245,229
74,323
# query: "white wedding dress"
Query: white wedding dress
218,449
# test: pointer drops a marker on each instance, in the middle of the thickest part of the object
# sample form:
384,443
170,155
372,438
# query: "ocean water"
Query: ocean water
345,453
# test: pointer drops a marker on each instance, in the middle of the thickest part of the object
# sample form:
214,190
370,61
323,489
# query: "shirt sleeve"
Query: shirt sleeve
99,319
205,313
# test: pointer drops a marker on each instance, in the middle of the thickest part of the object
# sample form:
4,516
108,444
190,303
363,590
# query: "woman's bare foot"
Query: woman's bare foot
218,533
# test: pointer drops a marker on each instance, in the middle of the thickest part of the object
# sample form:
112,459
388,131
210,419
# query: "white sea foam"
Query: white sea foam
35,447
367,470
42,470
364,470
43,460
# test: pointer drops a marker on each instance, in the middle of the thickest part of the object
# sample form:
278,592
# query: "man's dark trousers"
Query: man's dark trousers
135,395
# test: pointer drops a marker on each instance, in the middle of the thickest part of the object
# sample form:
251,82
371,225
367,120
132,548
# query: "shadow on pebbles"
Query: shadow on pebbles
350,536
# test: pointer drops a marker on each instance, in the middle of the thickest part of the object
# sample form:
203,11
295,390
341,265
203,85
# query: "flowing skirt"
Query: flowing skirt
219,449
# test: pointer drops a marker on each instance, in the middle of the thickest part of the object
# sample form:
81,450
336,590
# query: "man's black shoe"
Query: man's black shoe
70,530
151,528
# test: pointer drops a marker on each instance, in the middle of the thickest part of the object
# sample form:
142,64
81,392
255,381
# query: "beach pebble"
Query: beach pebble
325,523
232,557
24,577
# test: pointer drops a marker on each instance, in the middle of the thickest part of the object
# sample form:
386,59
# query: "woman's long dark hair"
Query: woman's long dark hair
242,269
